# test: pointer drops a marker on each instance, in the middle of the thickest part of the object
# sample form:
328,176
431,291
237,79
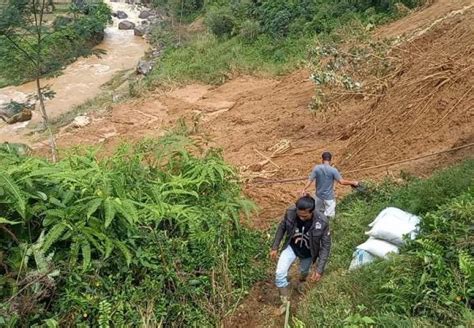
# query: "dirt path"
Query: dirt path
426,107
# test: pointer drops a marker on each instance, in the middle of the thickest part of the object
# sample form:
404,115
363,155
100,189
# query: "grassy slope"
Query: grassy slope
359,295
273,47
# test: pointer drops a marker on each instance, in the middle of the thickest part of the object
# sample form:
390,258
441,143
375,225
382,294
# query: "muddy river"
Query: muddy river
82,79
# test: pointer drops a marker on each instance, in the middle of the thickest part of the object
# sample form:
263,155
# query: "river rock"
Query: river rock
22,116
126,25
81,121
121,14
155,53
144,67
144,14
140,30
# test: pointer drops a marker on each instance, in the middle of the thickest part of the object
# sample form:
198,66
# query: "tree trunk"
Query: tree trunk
44,115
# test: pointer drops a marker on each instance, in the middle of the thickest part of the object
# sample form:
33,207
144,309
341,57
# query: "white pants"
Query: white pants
287,257
328,206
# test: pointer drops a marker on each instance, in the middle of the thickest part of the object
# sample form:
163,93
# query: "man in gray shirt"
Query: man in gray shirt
324,176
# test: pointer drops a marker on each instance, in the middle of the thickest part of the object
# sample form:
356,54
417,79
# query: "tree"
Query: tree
22,26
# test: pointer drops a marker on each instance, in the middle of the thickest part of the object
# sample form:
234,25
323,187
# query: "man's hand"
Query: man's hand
303,193
315,277
273,254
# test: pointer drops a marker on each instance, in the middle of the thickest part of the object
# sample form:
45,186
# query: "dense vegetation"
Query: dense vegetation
66,35
148,236
270,36
429,285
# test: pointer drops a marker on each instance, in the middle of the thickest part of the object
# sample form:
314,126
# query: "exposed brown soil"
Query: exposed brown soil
426,107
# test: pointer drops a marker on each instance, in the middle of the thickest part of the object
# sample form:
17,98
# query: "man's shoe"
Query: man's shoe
301,284
284,298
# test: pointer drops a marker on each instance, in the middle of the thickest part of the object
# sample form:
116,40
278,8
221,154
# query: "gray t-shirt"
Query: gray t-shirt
324,174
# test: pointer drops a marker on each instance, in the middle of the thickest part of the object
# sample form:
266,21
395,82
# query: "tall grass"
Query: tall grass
206,58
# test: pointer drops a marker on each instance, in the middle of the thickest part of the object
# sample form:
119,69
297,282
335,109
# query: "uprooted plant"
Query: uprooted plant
358,67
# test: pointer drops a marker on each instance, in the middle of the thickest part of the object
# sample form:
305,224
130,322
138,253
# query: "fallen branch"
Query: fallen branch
267,159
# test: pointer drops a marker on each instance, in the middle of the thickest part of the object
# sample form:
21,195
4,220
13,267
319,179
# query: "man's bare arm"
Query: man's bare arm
345,182
308,184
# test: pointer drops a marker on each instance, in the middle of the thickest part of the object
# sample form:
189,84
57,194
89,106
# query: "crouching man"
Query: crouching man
307,237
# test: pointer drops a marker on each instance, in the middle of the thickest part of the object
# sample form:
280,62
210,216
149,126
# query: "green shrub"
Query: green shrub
152,232
249,30
180,8
220,22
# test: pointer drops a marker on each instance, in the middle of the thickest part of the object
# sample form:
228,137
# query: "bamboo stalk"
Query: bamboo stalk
287,314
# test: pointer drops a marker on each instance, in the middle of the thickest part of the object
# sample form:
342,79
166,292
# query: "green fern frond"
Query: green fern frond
53,235
430,246
125,251
466,264
86,254
92,206
74,252
109,210
104,314
12,188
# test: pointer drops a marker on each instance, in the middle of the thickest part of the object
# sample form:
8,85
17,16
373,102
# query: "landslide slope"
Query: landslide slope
426,106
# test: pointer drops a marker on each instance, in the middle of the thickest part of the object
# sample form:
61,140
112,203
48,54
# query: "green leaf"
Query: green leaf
109,211
53,235
5,221
121,208
56,202
368,320
86,254
92,206
125,251
13,189
74,253
109,246
42,195
51,323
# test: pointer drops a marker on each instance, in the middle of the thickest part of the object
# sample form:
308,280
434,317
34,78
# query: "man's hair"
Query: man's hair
326,156
305,203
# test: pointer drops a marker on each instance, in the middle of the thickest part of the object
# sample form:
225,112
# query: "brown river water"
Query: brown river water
81,80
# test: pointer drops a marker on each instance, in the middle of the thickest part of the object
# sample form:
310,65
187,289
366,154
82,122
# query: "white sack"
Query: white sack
392,224
377,247
359,258
398,214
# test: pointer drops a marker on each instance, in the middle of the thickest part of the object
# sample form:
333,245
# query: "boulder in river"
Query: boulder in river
15,112
144,67
140,30
121,14
22,116
126,25
144,14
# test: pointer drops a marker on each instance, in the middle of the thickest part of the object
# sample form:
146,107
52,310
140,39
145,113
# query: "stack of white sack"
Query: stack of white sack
386,235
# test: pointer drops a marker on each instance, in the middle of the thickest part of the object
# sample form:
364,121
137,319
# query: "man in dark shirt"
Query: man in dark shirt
307,238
